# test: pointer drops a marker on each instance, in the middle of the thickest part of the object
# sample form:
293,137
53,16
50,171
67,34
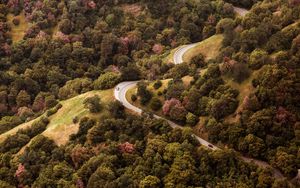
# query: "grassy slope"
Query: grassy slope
18,31
61,124
210,48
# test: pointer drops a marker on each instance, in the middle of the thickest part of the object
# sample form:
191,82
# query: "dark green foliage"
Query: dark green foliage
144,94
106,81
157,84
133,98
53,110
9,122
155,104
116,109
198,61
93,104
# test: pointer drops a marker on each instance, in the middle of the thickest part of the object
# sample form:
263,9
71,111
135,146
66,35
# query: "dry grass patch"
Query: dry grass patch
18,31
210,48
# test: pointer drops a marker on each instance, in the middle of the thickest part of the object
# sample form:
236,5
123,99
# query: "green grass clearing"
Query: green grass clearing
61,124
210,48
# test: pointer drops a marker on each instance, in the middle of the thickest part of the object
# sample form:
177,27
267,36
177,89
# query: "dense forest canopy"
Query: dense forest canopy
245,98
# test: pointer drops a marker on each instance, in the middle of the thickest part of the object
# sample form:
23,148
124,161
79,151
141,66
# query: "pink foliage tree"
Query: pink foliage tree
126,147
283,116
20,171
169,104
157,48
13,3
61,36
6,48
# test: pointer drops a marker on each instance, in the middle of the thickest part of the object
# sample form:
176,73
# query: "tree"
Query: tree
130,73
191,119
23,98
175,89
198,61
157,84
93,104
155,104
150,182
144,94
75,87
116,109
285,162
225,25
106,81
178,113
258,58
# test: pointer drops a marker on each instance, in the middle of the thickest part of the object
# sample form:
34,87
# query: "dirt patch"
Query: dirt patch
18,31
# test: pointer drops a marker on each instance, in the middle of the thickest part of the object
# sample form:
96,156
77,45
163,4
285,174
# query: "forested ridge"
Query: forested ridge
245,98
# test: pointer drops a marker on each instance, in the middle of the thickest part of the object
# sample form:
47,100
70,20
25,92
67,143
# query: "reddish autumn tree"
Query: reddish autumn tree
169,104
157,48
126,147
79,155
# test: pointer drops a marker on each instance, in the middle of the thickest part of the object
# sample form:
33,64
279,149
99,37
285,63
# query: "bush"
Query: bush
133,98
16,21
93,104
107,80
157,84
52,111
191,119
155,104
9,122
198,61
50,101
258,58
117,109
144,94
75,119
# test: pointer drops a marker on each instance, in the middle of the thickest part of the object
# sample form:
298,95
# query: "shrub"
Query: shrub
117,109
9,122
133,98
107,80
75,119
157,84
93,104
258,58
191,119
198,61
52,111
155,104
144,94
16,21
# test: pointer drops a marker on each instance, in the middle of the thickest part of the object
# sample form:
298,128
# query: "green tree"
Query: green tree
155,104
191,119
23,98
106,81
150,182
93,104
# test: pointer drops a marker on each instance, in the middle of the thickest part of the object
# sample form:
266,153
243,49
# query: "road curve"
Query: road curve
120,94
178,55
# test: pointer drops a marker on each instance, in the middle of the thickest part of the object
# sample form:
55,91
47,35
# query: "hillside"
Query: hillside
152,93
61,124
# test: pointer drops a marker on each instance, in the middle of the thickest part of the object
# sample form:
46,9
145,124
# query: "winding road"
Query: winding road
122,88
120,94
